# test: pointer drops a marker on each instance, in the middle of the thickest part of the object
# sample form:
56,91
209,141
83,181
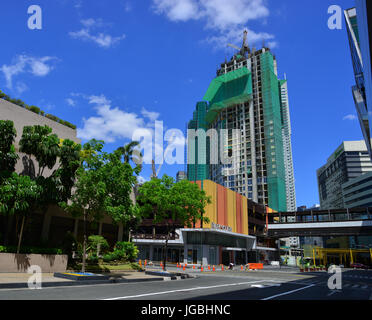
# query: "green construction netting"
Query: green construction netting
199,170
232,88
273,134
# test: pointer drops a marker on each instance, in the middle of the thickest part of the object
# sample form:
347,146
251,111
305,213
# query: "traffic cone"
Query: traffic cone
222,267
193,267
184,268
209,268
241,267
202,269
214,269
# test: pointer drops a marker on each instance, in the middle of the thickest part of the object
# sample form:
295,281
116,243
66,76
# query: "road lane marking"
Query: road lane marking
184,290
288,292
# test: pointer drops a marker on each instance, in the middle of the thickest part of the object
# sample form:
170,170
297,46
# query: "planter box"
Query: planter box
49,263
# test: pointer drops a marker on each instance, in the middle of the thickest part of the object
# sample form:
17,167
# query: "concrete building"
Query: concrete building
235,233
358,191
51,226
247,105
181,175
349,161
359,29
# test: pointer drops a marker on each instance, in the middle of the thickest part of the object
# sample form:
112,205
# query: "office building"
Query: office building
349,161
247,105
357,192
181,175
359,28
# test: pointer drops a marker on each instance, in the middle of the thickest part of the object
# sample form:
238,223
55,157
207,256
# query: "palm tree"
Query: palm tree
128,150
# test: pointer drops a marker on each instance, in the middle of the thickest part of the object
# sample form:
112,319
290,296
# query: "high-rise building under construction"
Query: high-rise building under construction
249,104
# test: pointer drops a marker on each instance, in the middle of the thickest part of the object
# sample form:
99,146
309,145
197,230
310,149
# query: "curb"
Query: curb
23,285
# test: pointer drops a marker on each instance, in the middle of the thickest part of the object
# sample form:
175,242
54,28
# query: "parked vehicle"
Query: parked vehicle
358,266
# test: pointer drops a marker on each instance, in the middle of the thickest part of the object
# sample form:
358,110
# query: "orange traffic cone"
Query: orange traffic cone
222,268
202,269
184,267
193,267
209,268
214,269
241,267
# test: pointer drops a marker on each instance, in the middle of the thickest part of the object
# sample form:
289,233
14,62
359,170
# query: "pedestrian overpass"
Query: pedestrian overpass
338,222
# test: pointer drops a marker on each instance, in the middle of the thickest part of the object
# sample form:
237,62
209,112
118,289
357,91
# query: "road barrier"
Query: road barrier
255,266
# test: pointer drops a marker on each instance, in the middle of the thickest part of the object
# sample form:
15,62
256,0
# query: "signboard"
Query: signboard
221,227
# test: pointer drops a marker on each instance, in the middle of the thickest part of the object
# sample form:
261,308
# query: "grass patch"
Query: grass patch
107,267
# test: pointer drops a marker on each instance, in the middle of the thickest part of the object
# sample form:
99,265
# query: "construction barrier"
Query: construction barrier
255,266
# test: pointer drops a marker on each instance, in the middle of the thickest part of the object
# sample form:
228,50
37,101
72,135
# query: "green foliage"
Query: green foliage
17,194
166,201
126,251
8,156
41,143
36,110
173,204
94,242
29,250
103,186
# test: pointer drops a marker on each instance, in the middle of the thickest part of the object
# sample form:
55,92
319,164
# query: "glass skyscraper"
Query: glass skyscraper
359,27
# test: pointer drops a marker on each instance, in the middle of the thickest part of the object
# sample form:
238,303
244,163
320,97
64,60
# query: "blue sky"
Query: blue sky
114,68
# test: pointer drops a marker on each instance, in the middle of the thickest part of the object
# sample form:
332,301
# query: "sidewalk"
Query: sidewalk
20,280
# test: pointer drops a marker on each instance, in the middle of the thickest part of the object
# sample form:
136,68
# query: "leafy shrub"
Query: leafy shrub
127,251
28,250
112,256
94,242
34,109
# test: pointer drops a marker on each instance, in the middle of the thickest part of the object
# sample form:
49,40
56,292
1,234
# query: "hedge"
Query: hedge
28,250
36,110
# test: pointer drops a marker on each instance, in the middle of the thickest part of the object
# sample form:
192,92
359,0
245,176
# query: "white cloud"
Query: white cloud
70,102
39,67
152,116
227,19
103,40
350,117
111,123
177,10
235,36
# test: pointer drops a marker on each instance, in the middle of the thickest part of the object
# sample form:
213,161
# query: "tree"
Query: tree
39,143
17,195
173,204
8,156
103,186
128,151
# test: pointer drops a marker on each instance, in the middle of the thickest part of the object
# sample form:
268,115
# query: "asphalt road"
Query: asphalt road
231,285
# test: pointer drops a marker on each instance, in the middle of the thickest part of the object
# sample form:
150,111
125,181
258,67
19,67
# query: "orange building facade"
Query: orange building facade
233,235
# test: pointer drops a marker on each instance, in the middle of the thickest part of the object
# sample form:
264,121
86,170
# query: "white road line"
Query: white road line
288,292
184,290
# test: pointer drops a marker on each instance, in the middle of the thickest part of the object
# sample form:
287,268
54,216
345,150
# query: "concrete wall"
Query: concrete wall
22,117
11,262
